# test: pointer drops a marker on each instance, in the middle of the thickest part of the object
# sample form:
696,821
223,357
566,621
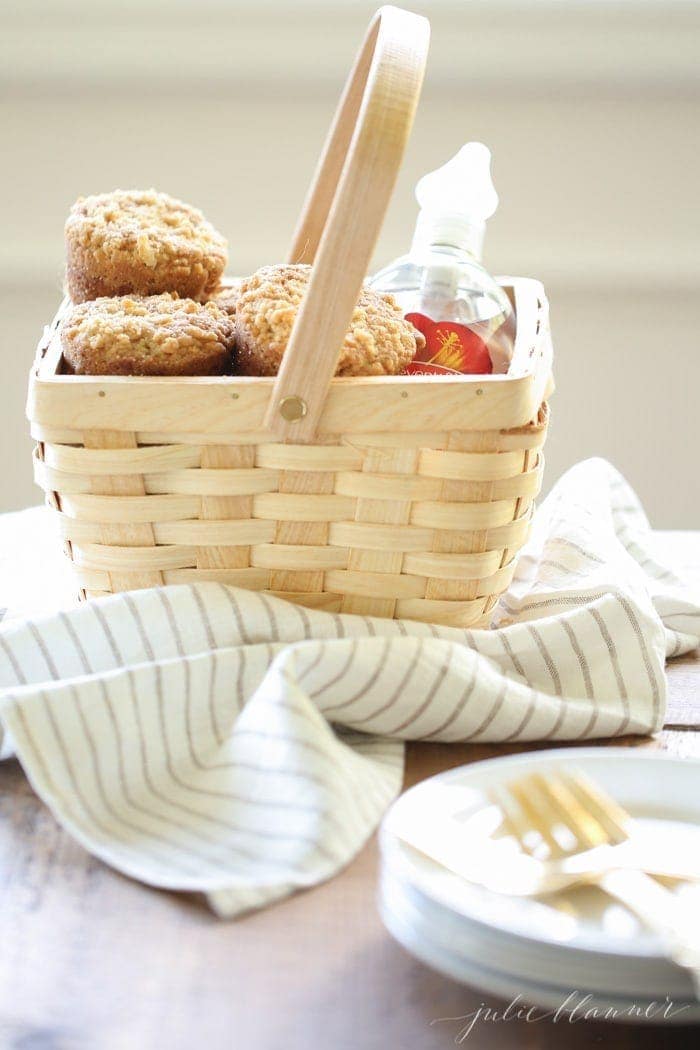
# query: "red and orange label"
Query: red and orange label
449,348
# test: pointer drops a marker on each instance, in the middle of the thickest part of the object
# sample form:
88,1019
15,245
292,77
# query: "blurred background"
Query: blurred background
590,109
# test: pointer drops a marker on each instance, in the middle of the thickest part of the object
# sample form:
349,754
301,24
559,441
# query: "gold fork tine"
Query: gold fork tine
537,812
611,816
514,820
572,814
542,804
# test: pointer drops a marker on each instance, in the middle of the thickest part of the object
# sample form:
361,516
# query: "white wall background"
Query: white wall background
590,108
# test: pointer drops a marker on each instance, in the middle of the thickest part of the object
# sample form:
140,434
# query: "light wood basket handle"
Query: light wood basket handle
344,210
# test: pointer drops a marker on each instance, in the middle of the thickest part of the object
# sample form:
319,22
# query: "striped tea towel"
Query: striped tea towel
206,738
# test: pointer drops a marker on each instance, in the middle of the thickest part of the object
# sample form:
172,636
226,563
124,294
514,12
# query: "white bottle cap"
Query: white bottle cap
456,200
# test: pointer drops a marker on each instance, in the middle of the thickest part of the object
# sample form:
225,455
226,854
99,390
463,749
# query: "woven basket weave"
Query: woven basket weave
397,496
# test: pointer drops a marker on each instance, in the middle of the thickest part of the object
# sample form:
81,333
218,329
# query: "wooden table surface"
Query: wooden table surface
90,959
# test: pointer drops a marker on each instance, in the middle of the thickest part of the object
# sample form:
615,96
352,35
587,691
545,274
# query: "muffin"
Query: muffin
157,335
139,242
379,341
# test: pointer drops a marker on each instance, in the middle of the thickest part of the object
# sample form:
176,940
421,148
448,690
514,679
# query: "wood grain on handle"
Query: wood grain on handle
344,211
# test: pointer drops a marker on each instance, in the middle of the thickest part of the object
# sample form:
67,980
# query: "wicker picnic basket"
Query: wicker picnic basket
403,496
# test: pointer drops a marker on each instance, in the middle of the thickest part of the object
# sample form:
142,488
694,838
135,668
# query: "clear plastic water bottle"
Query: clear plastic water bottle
443,289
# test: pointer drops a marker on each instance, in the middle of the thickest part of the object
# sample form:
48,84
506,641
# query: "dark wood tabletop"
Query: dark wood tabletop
90,959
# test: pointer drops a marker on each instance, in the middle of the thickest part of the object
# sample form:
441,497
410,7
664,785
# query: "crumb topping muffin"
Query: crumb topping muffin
140,242
158,335
378,342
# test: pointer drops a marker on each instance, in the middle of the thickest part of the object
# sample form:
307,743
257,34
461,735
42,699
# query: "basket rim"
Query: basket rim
48,360
356,404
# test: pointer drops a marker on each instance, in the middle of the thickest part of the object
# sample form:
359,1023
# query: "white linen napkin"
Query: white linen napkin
206,738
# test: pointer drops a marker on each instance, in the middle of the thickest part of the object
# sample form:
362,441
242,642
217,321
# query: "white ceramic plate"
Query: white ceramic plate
406,928
660,792
641,979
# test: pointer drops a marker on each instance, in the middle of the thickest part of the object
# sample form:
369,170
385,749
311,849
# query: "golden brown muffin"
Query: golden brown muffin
139,242
378,342
156,335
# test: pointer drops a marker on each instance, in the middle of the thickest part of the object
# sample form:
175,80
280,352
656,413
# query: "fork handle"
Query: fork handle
660,910
627,856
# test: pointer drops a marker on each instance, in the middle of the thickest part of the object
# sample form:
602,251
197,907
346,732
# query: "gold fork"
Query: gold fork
545,863
563,815
560,815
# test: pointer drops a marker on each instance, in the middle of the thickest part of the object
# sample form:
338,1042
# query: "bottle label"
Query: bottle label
450,348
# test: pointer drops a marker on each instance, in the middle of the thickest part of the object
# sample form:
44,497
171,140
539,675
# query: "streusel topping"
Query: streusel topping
151,335
143,242
378,342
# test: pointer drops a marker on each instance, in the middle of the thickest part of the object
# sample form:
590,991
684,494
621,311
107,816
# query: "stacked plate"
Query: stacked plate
578,951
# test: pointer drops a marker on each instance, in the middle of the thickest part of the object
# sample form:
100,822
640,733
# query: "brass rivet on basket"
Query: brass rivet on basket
293,408
234,397
101,393
404,393
479,391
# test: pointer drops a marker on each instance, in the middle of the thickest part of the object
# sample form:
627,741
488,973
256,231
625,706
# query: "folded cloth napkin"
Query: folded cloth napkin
205,738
